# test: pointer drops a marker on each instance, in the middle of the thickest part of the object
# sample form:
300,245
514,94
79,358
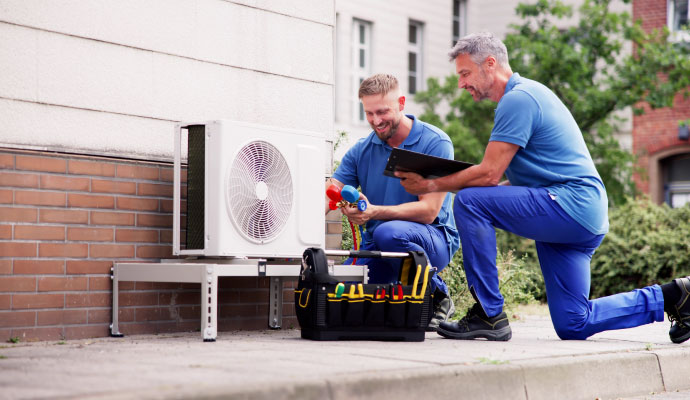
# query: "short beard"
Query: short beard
391,132
483,95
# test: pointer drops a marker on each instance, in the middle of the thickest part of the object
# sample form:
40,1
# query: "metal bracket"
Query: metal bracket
114,326
275,303
261,264
209,304
115,334
331,265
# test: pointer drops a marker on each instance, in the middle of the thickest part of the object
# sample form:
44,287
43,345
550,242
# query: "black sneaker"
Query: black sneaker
477,325
680,317
443,309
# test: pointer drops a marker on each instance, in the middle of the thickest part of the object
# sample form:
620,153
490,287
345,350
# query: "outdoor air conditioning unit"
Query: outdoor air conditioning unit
252,190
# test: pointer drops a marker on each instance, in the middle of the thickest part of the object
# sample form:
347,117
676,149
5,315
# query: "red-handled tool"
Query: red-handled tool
396,292
348,196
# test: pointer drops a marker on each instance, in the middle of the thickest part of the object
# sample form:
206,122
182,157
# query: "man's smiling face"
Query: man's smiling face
473,78
384,113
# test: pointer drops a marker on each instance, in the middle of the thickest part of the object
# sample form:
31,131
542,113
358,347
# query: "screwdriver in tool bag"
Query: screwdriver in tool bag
339,289
359,294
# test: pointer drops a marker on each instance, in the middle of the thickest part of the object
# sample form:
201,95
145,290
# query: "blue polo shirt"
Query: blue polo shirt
552,153
364,163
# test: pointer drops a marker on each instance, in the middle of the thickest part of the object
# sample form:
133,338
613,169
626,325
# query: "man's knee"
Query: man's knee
463,200
571,327
389,233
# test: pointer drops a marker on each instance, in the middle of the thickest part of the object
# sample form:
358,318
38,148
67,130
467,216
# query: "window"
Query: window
414,57
361,58
678,19
677,180
459,21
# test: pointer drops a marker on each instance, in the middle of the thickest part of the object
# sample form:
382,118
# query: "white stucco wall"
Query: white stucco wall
389,21
112,77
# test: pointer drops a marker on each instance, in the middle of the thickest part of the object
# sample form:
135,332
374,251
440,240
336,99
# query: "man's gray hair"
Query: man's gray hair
479,46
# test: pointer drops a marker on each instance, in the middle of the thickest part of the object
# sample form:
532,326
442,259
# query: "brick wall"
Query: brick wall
655,130
334,229
64,220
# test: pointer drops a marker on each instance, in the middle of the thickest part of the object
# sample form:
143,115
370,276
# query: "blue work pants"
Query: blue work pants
565,250
404,236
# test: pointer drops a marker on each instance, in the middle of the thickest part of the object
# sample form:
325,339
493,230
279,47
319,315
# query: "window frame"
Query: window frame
416,48
461,19
679,186
359,72
677,35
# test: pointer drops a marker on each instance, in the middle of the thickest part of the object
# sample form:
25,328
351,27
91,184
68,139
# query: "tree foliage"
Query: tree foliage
589,67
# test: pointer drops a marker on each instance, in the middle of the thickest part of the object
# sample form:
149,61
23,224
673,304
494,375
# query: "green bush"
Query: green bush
646,244
516,282
525,250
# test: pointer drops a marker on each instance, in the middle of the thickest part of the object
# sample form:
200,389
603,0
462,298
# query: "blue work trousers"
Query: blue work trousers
404,236
565,250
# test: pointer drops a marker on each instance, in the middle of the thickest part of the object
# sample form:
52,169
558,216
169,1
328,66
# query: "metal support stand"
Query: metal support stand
209,305
275,303
206,273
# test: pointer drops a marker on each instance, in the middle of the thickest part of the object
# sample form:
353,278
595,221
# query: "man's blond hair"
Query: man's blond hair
378,84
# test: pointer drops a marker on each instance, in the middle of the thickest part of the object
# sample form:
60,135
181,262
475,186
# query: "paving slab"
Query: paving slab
534,364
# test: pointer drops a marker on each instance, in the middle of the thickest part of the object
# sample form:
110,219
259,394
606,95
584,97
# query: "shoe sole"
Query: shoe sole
499,335
681,339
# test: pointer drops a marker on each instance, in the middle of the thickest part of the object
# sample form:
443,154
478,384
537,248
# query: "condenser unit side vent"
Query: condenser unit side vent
196,172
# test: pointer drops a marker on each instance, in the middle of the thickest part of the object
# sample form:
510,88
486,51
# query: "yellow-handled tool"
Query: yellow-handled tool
425,282
339,289
359,294
416,280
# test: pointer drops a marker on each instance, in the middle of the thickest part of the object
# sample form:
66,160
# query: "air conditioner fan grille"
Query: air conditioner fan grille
259,191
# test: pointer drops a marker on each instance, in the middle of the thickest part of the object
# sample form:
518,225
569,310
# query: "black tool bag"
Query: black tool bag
331,310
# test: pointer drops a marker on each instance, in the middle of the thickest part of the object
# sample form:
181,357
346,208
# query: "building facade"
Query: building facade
659,140
411,40
89,96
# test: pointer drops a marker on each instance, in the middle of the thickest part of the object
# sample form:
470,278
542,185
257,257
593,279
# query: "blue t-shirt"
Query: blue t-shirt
552,153
364,163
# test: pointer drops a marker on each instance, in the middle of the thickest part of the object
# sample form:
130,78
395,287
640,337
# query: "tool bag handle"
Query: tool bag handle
366,254
315,262
315,266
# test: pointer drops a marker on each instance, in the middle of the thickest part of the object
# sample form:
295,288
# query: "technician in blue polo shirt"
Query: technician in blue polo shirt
557,198
394,219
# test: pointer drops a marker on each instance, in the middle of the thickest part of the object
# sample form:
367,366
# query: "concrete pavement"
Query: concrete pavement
534,364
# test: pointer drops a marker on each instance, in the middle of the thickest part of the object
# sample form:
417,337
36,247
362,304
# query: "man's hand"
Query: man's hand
415,183
360,217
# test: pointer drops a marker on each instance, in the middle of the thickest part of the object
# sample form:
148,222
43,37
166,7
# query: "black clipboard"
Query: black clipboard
423,164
